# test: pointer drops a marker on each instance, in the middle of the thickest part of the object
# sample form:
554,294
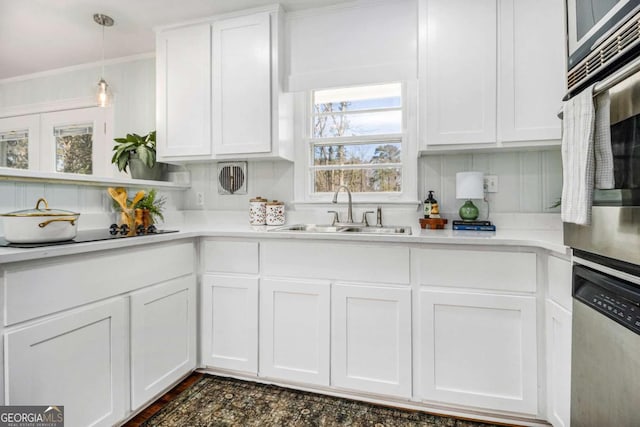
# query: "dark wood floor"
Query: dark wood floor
151,410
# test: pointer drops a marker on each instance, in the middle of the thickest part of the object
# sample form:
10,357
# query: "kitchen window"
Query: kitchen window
74,148
356,138
14,149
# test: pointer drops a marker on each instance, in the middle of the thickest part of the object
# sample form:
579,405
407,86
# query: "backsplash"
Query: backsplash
528,181
269,179
93,203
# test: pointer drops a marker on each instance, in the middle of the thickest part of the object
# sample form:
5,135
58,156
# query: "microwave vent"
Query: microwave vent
613,47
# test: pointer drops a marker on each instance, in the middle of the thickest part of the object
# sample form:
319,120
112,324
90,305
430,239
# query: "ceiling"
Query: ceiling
40,35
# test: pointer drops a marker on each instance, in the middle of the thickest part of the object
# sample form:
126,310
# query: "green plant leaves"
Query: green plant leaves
144,146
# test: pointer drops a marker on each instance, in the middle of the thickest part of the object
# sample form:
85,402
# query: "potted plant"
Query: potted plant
149,205
153,204
139,154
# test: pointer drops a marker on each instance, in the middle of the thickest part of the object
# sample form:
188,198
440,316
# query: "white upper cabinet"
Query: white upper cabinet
219,89
183,86
458,71
242,85
491,72
532,67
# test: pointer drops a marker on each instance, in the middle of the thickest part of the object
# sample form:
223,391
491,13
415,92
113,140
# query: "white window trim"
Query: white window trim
409,193
42,143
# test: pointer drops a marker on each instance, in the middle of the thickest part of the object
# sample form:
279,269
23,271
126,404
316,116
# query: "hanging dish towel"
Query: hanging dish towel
578,158
602,143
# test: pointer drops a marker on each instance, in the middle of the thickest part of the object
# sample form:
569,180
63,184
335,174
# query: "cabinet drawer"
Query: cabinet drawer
336,260
35,289
497,270
230,256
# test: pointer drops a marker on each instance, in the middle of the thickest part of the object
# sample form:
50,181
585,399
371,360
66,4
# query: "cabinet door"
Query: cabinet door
558,324
242,85
163,337
458,71
294,330
532,69
230,322
183,74
77,360
478,350
371,339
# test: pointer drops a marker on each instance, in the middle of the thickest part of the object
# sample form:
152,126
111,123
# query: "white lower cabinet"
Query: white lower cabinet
294,330
229,327
163,337
558,335
371,339
478,350
78,360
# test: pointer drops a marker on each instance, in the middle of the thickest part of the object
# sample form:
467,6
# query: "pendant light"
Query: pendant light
103,94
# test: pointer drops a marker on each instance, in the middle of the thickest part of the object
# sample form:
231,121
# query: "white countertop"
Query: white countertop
545,239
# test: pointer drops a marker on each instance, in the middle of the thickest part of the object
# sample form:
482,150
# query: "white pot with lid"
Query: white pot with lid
40,225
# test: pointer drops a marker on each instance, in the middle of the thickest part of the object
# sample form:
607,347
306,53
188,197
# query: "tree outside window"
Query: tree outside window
356,139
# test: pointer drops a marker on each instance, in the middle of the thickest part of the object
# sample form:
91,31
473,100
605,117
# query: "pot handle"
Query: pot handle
71,221
42,200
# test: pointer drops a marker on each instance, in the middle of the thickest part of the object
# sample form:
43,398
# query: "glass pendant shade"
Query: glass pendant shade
103,94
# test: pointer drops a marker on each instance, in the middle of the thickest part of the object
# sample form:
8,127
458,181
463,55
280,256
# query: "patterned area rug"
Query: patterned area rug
218,401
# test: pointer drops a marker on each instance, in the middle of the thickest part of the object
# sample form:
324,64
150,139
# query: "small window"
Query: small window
74,149
14,149
356,139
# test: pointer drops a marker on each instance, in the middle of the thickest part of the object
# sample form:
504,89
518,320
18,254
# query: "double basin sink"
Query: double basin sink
355,228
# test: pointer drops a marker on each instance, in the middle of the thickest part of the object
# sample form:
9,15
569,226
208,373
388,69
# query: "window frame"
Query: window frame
304,170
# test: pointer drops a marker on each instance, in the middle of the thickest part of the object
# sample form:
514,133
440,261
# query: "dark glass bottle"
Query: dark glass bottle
431,209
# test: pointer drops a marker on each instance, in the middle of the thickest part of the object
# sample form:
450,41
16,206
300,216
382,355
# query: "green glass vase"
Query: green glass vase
468,211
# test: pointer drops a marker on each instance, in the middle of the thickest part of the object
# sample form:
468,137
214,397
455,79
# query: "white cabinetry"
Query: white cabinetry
294,330
371,339
479,350
163,337
230,322
77,360
477,328
491,72
242,85
101,344
532,66
183,92
458,78
558,320
219,89
229,315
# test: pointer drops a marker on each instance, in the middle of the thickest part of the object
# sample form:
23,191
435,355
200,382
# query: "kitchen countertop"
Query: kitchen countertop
550,240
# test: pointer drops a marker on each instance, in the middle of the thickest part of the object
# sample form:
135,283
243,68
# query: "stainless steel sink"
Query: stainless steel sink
314,228
378,230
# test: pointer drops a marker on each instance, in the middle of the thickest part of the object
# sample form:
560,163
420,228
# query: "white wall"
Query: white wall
132,82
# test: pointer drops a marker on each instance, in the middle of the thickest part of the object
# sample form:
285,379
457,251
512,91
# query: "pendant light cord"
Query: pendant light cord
102,73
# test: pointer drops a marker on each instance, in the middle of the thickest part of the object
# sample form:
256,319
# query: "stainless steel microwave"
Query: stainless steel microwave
602,35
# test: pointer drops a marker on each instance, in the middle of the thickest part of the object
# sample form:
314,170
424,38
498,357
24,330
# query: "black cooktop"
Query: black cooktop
82,237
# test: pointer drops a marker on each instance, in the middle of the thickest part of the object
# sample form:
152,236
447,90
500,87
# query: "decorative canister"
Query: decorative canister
258,211
275,213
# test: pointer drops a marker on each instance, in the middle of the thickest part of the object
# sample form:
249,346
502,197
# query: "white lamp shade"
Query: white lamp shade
469,185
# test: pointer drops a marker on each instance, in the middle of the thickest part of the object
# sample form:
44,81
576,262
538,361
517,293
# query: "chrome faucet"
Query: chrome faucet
350,208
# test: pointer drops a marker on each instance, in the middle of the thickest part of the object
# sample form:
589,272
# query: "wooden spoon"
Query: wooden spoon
137,198
121,198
